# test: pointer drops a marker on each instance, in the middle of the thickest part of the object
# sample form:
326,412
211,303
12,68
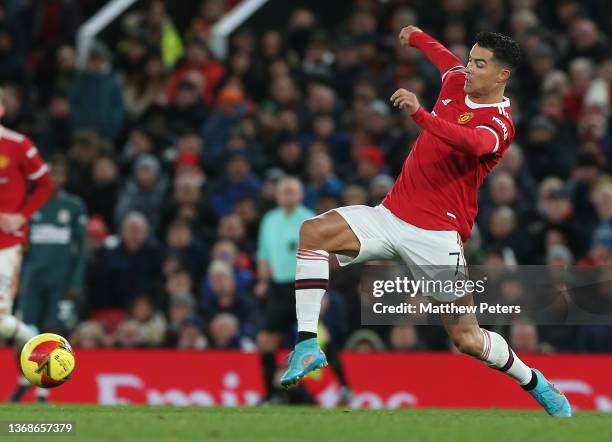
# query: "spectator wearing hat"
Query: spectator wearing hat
601,247
97,232
230,109
144,193
96,97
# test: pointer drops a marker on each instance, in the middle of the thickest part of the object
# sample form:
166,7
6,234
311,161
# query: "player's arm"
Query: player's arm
36,172
478,141
435,52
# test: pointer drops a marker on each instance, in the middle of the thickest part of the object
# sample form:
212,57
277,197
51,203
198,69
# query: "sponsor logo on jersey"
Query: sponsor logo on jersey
4,161
465,117
49,234
445,102
503,127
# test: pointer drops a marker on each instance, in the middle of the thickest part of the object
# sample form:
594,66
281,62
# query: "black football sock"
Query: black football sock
302,336
532,383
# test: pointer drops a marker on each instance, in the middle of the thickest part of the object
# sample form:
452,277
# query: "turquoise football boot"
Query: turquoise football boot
554,402
305,357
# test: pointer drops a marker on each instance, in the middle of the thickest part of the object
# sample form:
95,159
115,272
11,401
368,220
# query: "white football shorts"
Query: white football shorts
384,236
10,265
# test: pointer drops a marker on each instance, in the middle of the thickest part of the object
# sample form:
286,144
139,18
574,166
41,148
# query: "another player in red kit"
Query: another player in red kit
430,210
20,166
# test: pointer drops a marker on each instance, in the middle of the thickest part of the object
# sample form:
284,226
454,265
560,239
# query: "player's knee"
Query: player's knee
312,234
467,341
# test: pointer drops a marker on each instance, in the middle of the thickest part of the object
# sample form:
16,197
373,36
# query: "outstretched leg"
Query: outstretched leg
492,349
318,237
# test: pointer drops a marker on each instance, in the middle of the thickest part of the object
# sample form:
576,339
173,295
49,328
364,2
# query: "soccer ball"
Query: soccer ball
47,360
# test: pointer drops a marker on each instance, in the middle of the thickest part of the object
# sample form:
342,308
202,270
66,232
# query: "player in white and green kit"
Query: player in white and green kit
55,260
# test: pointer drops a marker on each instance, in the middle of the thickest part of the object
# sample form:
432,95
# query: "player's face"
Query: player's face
483,73
58,175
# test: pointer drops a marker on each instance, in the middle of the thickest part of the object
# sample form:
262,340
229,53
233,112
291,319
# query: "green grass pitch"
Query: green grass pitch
296,424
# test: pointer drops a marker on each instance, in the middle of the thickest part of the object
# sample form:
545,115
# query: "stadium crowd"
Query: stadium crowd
176,155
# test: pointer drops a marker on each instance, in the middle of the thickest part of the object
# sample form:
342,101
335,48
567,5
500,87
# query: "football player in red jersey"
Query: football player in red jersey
20,166
430,210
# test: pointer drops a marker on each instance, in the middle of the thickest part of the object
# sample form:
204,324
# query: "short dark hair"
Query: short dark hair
505,50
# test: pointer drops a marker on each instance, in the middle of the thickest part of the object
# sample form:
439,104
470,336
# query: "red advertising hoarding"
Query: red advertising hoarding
379,380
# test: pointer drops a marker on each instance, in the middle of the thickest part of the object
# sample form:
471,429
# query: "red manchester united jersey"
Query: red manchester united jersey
20,163
460,143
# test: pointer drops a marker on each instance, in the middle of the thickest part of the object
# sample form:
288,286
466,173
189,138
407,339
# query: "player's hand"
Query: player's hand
405,100
261,289
11,222
404,35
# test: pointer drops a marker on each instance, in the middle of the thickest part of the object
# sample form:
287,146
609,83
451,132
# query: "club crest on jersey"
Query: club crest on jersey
465,117
63,216
4,161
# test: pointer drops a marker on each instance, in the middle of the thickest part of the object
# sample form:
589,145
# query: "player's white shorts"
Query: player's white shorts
383,236
10,265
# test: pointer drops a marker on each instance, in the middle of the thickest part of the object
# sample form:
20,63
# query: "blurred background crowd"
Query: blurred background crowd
176,155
